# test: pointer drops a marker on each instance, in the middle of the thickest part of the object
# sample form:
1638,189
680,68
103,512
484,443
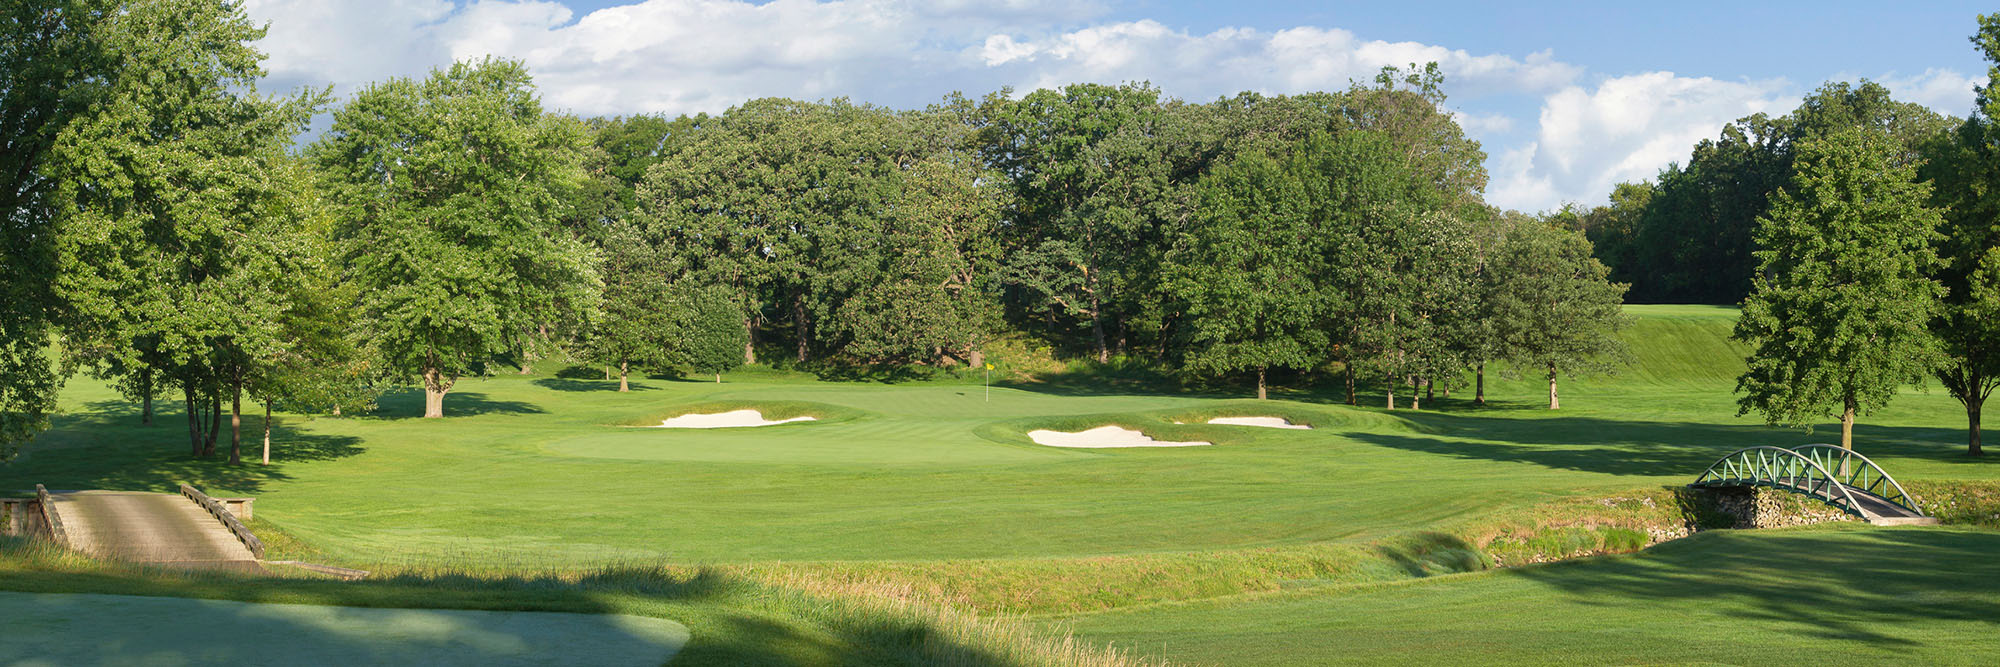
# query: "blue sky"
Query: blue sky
1568,97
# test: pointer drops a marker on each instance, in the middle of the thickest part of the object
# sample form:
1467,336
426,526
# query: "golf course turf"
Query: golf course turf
1835,596
1180,552
155,631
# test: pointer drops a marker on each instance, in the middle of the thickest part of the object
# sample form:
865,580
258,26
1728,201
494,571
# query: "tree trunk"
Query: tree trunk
718,378
1097,333
1972,409
624,373
750,340
435,387
1555,403
977,358
236,422
1416,399
799,318
1479,384
1261,394
336,409
1392,393
214,423
1347,368
1847,425
1430,390
1846,431
267,433
194,418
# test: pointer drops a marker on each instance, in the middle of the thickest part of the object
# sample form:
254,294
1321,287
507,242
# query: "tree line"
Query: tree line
167,233
1858,233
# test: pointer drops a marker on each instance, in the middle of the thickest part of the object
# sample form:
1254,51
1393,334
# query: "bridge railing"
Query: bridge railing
1780,468
1867,477
50,517
228,520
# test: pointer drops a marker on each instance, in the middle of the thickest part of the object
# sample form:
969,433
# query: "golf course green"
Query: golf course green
1272,545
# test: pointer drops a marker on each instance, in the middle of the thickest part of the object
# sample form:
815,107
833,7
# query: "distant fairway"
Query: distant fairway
929,485
1822,596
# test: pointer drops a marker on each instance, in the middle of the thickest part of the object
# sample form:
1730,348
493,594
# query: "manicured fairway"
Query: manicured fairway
59,629
545,471
1822,596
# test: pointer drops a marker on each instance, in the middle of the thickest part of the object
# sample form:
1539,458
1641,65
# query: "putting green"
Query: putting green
46,629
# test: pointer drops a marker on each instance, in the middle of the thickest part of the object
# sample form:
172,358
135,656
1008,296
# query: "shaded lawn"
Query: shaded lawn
1853,595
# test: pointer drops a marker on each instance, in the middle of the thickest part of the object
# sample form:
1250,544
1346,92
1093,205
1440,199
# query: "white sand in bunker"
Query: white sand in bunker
1266,422
730,419
1104,436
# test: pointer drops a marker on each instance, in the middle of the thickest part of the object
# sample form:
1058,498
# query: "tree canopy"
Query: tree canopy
1842,296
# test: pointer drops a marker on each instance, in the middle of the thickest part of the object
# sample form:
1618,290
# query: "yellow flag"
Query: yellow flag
989,367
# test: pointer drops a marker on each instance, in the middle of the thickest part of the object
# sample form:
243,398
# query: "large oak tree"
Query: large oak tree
453,190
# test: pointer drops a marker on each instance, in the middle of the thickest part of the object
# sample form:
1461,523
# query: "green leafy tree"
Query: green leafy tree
921,287
453,190
1091,189
52,63
637,325
178,209
1250,267
1841,300
709,324
1965,168
1693,242
776,199
1552,308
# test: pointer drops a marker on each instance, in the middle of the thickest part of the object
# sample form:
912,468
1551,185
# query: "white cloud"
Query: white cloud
1477,124
317,42
685,56
1944,91
1230,60
1625,129
680,56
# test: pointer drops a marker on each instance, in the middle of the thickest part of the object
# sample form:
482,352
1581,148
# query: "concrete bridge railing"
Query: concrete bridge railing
50,517
227,518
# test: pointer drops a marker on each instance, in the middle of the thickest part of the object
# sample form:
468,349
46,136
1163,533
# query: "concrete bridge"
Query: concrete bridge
185,530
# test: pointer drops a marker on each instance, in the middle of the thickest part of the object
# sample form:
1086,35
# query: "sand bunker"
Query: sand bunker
730,419
1103,436
1266,422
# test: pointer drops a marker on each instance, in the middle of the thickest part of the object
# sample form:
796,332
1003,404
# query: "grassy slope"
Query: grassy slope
541,471
1821,596
903,482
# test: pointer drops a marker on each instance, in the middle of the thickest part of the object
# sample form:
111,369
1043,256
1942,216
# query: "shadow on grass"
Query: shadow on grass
1633,447
1837,585
580,373
409,404
569,384
734,620
105,447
